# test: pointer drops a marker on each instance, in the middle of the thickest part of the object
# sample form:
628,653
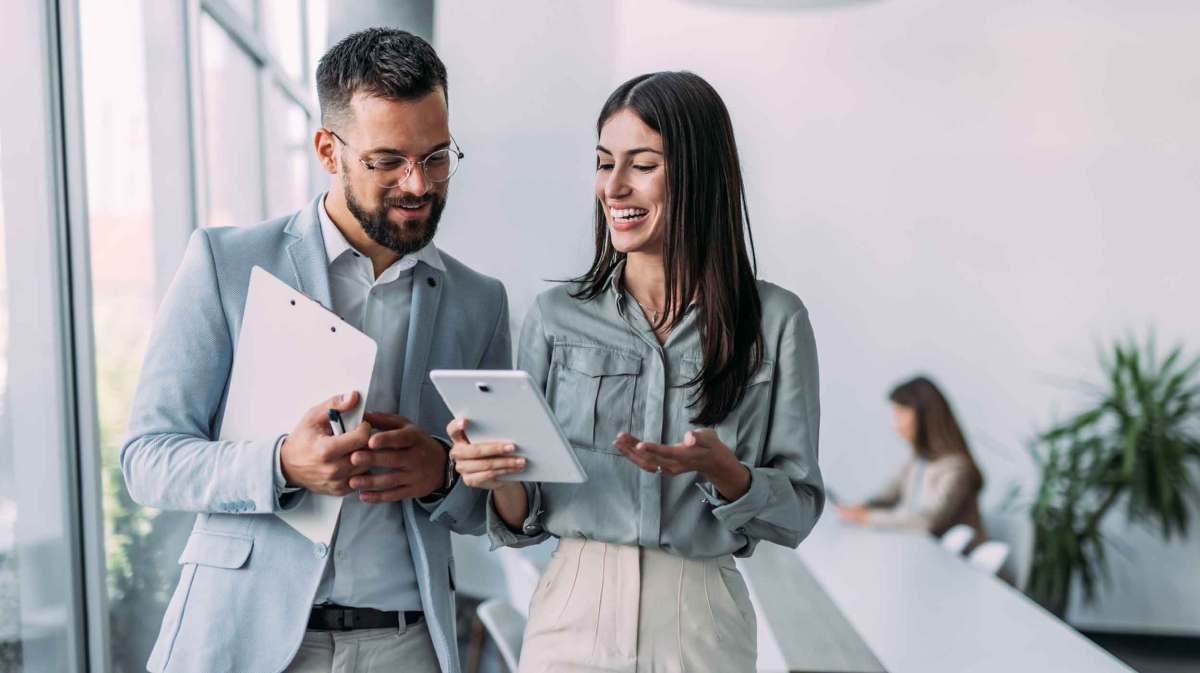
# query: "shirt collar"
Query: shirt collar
336,245
615,282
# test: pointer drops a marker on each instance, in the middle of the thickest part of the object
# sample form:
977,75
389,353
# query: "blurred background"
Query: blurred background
991,193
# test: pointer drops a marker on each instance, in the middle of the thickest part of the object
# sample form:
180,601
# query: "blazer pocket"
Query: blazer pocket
217,550
593,393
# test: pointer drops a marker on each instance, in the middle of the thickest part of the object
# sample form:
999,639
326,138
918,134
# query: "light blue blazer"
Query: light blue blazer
248,579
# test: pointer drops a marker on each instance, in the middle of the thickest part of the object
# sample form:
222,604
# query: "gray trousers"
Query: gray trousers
403,650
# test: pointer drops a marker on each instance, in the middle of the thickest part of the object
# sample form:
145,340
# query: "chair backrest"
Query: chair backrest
989,556
957,538
521,576
506,627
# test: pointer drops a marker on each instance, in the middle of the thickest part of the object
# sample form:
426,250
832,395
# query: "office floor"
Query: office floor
1152,654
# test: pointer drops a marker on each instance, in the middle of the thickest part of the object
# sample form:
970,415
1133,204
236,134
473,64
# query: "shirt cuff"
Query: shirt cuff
281,487
532,532
735,514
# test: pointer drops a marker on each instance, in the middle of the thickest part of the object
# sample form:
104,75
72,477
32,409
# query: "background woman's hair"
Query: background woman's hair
938,432
707,227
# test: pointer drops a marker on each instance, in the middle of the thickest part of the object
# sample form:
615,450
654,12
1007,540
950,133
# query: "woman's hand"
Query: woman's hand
700,451
481,465
856,514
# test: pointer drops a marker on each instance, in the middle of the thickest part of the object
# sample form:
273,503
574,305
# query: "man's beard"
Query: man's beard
414,235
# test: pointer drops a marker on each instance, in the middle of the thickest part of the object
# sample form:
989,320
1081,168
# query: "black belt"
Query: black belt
331,617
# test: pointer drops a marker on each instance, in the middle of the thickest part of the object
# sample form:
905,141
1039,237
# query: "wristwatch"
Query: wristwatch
451,473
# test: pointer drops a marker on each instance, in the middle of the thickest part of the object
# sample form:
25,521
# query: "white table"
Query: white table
916,608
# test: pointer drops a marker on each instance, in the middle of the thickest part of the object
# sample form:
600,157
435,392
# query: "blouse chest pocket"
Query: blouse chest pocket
745,428
592,394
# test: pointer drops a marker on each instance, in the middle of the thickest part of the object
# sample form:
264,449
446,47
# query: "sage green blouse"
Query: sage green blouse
604,372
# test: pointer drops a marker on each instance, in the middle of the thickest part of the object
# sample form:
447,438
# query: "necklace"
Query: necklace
651,312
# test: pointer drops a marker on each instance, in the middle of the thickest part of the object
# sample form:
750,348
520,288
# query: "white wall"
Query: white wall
977,190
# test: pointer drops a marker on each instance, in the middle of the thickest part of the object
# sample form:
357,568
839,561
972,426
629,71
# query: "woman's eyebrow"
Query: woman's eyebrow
636,150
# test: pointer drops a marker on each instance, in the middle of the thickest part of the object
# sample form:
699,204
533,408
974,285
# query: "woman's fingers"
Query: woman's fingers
636,457
516,463
488,479
465,451
457,429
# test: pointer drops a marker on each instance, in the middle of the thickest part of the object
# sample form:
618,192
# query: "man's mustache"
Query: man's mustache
408,202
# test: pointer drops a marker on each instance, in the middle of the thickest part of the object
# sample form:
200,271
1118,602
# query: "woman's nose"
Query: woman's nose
616,186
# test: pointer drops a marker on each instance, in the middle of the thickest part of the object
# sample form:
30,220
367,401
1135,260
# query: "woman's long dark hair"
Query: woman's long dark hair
938,432
707,226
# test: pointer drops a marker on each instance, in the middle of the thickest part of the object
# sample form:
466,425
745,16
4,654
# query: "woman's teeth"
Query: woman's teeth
626,214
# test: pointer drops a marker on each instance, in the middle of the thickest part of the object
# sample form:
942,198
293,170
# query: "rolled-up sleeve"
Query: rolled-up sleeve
786,494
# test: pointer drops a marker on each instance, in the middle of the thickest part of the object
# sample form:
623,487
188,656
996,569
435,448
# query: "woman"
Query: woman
689,391
939,486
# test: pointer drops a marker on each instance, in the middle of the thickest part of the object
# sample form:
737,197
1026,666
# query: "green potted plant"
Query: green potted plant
1135,447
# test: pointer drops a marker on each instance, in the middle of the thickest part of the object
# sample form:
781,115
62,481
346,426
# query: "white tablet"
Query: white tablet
504,405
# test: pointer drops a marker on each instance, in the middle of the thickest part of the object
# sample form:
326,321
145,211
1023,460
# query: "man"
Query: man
255,595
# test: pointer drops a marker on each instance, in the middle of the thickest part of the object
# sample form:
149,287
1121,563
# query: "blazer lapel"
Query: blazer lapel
307,254
422,323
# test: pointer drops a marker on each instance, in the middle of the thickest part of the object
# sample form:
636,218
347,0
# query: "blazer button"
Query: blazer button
432,281
321,550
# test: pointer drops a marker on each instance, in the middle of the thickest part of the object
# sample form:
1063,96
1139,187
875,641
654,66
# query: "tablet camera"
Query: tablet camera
483,387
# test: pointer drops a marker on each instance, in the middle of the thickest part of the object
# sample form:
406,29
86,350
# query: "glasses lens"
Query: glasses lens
440,165
391,171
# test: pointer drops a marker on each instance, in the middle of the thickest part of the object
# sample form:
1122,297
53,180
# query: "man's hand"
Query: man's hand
313,458
405,461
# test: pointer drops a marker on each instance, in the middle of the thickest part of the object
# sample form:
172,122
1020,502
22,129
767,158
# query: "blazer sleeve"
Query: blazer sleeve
889,496
463,509
170,458
938,508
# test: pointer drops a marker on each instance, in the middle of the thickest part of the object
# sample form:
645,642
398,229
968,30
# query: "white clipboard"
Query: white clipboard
293,353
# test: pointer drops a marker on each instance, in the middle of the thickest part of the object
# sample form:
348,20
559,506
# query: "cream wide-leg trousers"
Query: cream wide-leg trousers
605,608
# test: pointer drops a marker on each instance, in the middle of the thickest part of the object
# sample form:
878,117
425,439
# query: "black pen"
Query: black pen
335,422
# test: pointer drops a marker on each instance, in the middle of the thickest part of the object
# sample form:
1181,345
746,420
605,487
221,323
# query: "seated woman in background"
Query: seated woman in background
939,486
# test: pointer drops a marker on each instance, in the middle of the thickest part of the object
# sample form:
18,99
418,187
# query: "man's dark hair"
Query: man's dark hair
384,62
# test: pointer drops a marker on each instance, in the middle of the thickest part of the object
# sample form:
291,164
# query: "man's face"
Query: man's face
384,132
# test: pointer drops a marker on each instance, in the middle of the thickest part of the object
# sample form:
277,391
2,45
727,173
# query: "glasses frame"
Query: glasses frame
371,168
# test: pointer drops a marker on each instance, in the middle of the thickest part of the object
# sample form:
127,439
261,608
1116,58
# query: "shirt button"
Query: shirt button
321,550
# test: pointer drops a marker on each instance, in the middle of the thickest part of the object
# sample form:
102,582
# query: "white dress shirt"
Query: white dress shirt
371,566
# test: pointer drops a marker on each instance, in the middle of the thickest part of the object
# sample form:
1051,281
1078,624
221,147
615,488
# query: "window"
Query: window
233,148
147,187
123,227
10,632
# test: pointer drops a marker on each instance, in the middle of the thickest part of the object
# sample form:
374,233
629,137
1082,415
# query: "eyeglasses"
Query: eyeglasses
392,171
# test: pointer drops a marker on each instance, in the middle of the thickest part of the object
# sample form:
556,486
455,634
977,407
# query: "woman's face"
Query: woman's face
631,183
904,421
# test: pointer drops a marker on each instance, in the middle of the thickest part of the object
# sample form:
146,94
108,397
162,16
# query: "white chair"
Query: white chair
506,627
504,620
521,576
958,538
989,556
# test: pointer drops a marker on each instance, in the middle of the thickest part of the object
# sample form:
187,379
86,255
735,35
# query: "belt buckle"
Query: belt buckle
344,619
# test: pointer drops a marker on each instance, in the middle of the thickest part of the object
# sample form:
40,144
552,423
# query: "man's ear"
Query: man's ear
326,147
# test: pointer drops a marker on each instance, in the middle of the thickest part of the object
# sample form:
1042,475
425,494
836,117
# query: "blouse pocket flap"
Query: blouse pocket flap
689,368
765,373
219,550
595,361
